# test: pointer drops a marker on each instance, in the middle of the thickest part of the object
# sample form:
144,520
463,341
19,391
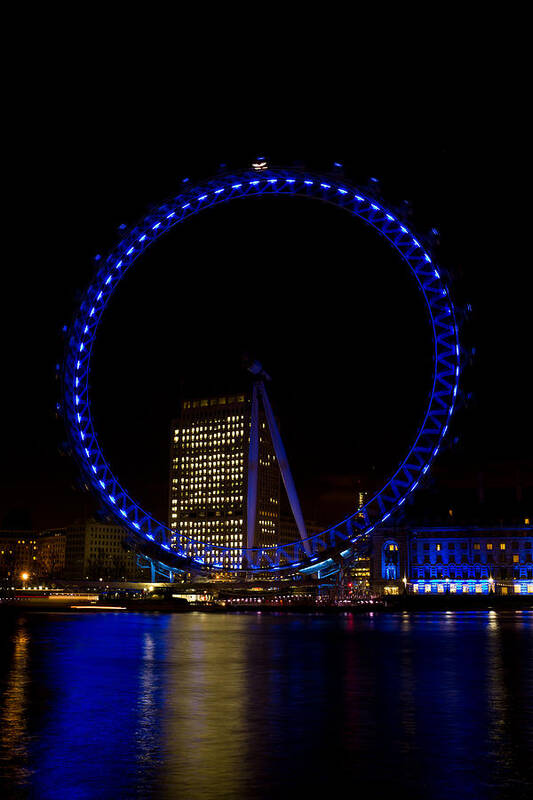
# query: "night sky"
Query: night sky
325,304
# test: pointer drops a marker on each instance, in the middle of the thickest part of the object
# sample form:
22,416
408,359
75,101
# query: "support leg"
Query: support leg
284,468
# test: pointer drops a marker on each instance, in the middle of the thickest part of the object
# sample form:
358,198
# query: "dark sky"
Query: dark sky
323,302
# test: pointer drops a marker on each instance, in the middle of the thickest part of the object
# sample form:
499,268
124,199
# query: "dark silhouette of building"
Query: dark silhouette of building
94,550
18,555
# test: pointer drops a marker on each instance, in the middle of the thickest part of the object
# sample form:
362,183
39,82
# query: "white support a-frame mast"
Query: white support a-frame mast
259,393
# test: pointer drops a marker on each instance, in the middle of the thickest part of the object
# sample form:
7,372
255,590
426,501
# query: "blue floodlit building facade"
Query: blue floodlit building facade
459,560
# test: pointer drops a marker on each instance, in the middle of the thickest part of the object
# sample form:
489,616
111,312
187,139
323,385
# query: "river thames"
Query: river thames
132,705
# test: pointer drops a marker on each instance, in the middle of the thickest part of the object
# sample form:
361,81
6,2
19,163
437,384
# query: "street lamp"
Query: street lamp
24,576
491,584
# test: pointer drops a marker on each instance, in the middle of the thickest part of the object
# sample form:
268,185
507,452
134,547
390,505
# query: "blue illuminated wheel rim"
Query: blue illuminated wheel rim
337,543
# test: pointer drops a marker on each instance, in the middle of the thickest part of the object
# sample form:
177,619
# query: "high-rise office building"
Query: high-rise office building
209,478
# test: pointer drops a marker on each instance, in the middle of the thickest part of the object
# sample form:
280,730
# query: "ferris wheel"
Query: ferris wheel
309,554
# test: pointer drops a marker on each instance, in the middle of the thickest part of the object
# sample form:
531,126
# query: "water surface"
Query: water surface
125,705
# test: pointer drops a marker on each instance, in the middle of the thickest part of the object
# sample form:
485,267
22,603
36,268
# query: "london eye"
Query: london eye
318,553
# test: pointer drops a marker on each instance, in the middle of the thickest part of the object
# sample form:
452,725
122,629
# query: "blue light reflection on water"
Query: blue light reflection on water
231,706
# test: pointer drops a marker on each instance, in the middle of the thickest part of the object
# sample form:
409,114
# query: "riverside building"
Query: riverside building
459,560
18,554
95,550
